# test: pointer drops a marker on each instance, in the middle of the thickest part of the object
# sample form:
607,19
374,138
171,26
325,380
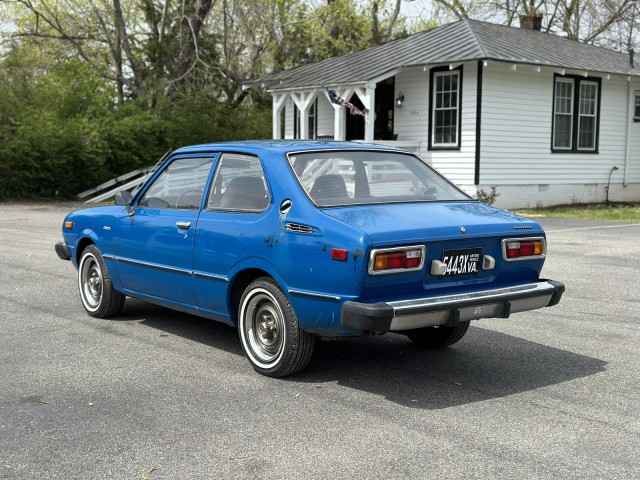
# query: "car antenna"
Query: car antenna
153,169
160,162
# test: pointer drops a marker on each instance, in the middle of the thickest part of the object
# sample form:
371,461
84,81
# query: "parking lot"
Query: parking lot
155,394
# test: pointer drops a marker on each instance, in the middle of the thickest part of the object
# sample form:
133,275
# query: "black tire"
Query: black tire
98,296
271,336
438,337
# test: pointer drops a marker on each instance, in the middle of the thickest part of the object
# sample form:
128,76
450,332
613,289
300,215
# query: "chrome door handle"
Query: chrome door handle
183,225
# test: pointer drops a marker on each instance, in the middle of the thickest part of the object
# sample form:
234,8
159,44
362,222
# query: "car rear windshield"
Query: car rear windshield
334,178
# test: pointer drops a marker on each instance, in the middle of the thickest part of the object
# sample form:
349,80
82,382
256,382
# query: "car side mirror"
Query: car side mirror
123,198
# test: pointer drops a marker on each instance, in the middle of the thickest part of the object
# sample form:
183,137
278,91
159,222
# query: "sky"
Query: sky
416,9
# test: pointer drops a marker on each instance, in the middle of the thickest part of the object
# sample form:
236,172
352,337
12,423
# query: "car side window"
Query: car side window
238,185
180,185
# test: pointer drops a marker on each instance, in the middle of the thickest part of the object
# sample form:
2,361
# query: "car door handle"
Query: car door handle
183,225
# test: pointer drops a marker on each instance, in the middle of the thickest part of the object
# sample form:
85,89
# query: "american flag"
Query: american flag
353,110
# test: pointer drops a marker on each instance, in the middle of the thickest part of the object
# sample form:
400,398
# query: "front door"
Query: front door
154,246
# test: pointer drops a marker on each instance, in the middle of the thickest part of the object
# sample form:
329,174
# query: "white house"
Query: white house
545,119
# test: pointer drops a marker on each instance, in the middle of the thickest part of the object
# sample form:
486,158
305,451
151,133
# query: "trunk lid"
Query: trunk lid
443,228
392,224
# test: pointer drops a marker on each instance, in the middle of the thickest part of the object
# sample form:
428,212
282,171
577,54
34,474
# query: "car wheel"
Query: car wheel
271,337
438,337
99,298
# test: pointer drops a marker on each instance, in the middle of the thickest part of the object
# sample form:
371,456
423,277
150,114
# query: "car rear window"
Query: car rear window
334,178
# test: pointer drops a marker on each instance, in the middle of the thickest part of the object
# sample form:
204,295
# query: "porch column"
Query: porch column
339,114
339,122
369,101
278,103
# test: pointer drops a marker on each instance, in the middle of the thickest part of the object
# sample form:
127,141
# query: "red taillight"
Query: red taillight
396,259
522,247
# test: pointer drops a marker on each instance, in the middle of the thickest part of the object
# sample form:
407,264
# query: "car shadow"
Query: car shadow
484,365
171,322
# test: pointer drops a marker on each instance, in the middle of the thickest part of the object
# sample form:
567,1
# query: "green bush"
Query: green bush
61,132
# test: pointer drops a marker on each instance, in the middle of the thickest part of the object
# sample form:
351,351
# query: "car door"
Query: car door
233,227
154,246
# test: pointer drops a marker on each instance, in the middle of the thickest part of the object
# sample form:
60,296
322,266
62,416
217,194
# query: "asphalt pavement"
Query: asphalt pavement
155,394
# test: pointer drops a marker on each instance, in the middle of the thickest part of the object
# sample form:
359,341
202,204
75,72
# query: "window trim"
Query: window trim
577,82
433,73
149,182
212,180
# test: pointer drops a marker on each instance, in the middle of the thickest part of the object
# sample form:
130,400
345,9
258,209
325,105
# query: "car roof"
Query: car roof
280,146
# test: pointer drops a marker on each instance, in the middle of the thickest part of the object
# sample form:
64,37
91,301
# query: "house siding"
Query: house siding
516,129
412,123
634,164
459,165
517,109
325,116
288,119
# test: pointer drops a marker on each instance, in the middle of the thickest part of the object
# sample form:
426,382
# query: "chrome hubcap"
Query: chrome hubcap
91,282
263,326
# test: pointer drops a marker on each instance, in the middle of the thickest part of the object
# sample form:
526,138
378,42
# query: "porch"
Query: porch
311,114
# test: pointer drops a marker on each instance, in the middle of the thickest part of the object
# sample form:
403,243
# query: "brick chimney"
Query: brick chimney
531,21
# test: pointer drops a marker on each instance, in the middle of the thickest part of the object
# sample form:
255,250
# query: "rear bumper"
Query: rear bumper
450,310
63,251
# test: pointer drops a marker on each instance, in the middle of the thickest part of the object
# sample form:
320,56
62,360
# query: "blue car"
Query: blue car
289,240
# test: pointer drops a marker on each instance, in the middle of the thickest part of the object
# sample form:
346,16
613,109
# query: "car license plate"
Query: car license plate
461,262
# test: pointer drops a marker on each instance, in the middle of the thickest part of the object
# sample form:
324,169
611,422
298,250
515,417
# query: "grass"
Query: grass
613,212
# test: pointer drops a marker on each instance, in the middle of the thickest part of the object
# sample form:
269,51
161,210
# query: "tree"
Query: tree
608,23
90,89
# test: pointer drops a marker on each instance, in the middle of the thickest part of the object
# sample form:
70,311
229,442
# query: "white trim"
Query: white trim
457,109
278,101
391,73
568,81
594,116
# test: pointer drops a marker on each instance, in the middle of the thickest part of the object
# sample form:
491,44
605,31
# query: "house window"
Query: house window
313,120
446,87
636,109
563,114
576,114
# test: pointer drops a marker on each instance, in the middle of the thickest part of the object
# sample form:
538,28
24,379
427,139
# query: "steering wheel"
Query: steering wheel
188,192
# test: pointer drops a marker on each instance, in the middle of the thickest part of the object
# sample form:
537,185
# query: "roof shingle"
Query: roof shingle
465,40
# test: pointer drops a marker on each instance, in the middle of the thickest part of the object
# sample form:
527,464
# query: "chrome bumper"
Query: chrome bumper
450,310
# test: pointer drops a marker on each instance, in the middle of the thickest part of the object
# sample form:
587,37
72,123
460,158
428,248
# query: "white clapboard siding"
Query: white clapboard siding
459,165
411,122
288,119
633,175
517,113
325,116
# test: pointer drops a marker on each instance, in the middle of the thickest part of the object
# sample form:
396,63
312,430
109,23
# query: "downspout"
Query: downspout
627,150
476,175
